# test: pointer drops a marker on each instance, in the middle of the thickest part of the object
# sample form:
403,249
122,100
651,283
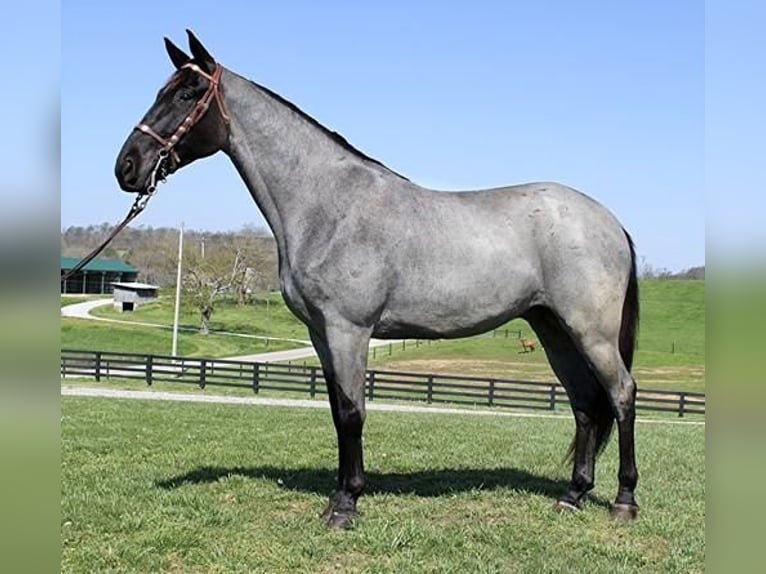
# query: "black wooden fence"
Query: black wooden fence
383,385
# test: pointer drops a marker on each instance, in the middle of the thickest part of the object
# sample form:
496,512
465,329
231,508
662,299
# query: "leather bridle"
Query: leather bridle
159,172
196,114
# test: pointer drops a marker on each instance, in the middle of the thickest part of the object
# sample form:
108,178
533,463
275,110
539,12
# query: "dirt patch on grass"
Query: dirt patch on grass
670,377
537,371
475,367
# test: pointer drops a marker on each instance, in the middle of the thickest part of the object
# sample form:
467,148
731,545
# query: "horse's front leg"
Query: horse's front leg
342,350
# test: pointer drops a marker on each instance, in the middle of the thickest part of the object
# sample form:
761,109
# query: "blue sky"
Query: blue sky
606,97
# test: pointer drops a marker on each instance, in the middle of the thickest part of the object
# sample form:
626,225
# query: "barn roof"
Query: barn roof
133,285
99,264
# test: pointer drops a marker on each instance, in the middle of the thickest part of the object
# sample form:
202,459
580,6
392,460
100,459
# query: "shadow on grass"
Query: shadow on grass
430,483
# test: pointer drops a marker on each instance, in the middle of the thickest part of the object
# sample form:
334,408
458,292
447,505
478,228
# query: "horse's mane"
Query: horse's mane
335,136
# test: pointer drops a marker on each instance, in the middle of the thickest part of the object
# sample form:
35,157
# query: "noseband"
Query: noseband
198,111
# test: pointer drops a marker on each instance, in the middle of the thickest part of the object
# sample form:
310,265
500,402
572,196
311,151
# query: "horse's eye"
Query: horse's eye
185,94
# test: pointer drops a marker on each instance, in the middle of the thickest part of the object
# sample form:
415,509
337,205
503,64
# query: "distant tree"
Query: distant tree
691,273
647,271
206,278
253,262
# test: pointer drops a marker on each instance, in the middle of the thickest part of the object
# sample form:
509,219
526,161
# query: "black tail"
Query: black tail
629,327
601,407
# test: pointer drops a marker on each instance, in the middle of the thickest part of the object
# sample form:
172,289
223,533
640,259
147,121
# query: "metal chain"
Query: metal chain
158,175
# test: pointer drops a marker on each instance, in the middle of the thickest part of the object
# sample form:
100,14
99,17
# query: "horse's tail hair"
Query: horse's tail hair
629,326
601,407
602,416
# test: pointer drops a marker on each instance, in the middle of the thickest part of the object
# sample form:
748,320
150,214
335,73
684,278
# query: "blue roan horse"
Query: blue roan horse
365,252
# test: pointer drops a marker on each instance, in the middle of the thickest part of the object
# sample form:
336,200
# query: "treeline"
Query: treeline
250,251
648,272
154,251
691,273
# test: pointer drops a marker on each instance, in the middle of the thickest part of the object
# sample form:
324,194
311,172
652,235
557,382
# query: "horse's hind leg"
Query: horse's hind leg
621,389
624,401
343,353
589,403
598,345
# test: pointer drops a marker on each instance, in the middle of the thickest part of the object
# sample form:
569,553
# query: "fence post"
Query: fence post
430,395
149,370
373,352
98,366
256,382
552,401
681,404
202,367
404,344
491,398
313,382
371,388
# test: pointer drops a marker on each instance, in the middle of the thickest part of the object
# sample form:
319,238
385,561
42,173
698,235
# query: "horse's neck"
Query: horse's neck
285,161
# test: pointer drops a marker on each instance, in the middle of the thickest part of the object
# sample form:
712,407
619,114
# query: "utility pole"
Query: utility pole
174,350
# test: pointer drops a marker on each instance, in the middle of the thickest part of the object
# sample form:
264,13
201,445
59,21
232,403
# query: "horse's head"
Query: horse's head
187,121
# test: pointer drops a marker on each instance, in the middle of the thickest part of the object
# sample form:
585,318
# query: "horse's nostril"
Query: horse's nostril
127,167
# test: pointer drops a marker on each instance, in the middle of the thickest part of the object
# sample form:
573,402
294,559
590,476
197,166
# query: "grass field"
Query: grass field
670,351
82,334
175,487
150,487
256,318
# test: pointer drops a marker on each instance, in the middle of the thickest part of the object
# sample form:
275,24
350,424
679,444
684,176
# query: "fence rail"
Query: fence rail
380,385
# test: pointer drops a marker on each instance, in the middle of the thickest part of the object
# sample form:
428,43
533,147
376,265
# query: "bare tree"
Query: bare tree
254,263
206,279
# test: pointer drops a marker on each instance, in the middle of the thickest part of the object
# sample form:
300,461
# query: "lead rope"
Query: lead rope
142,199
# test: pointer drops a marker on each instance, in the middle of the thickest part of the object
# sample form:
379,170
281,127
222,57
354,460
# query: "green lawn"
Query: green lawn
158,487
92,335
672,317
256,318
229,317
670,351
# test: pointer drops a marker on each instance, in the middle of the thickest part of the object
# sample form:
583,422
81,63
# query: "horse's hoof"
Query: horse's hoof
626,512
564,506
338,520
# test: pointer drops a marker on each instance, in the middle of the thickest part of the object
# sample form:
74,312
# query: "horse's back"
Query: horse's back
473,260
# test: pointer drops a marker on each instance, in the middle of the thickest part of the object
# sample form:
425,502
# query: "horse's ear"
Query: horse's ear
201,55
177,55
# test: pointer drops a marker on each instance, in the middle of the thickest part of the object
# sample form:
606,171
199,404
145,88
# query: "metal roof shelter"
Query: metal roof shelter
97,276
129,296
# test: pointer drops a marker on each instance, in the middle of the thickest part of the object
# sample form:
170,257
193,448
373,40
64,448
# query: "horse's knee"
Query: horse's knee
351,417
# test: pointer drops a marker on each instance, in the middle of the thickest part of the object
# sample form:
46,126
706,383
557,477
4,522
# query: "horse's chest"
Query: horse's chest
294,299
